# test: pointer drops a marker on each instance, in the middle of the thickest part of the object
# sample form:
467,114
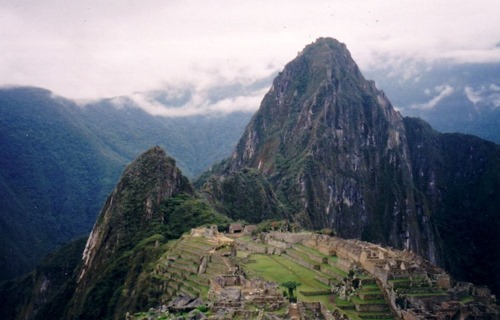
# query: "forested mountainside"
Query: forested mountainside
60,160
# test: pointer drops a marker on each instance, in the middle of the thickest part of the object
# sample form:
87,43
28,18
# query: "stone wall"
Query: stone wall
383,264
279,244
289,237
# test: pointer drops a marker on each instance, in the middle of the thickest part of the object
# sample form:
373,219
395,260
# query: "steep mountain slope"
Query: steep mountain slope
132,208
54,176
325,150
339,156
195,141
152,203
460,175
43,293
336,152
59,161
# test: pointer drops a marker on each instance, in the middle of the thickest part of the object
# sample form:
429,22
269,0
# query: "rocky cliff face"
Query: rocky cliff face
337,153
459,175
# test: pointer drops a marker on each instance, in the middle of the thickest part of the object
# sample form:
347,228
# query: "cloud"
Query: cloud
443,91
193,101
473,96
488,95
84,49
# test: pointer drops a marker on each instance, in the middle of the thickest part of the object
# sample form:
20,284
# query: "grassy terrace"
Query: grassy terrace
358,300
399,283
310,250
336,270
303,256
279,269
370,287
332,260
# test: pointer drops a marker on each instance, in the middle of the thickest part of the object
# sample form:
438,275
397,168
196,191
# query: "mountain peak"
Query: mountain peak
328,53
324,48
332,143
134,205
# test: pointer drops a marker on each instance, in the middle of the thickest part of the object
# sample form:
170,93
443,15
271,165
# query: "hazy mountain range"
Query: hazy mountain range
60,158
451,97
325,150
59,161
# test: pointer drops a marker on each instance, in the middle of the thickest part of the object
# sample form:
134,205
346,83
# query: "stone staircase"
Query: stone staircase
369,302
177,271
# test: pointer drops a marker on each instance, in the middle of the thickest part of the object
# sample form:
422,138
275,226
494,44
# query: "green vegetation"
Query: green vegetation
129,280
60,161
286,271
466,299
183,212
18,297
280,270
291,286
325,149
468,215
247,195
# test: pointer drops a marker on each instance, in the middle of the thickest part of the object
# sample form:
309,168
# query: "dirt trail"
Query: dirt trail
293,312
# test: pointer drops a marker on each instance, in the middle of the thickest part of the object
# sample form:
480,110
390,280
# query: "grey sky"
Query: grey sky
91,49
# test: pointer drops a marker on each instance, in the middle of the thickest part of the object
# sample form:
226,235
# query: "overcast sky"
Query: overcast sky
91,49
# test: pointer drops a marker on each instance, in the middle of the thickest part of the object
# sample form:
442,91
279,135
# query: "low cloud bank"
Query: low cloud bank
443,91
192,100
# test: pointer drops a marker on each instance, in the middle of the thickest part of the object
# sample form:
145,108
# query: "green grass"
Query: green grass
466,299
310,250
242,254
333,258
370,287
358,300
303,256
336,270
279,270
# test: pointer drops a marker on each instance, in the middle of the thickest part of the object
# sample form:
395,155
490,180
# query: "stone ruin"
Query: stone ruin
232,292
415,288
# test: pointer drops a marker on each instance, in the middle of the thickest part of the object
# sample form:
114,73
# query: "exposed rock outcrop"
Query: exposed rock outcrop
336,152
337,155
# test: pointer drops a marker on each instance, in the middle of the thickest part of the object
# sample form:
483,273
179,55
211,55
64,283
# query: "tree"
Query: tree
291,286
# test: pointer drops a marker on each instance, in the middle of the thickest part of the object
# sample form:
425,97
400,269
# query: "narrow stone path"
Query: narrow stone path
293,312
226,262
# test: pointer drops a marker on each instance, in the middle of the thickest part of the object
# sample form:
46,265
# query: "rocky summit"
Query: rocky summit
337,151
338,156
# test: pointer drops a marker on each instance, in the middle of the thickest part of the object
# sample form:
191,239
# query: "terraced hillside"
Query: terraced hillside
188,265
354,293
209,275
